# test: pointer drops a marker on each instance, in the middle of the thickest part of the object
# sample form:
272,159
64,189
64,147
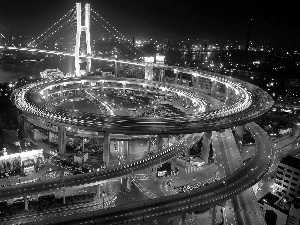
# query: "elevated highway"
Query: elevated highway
200,199
250,102
253,103
241,208
89,179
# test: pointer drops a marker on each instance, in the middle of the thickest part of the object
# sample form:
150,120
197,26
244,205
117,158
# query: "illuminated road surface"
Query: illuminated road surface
199,199
252,103
242,208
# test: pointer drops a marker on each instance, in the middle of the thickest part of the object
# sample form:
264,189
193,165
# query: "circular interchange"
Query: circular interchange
250,102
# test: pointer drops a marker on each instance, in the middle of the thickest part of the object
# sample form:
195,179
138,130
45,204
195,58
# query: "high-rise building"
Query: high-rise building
279,210
287,181
294,214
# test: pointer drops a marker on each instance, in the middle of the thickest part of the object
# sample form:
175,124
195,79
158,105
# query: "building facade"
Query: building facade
287,181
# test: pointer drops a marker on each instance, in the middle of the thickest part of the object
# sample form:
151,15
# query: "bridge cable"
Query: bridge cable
120,40
58,29
108,24
64,16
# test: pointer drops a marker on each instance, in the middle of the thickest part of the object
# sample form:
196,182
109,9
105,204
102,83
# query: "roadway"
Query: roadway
200,199
94,178
254,103
289,146
242,208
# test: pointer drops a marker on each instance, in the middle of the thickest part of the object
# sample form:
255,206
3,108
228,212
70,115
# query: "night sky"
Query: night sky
274,21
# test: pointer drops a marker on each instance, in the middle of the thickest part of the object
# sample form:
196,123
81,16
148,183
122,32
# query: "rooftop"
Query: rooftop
292,162
296,201
281,204
269,197
81,154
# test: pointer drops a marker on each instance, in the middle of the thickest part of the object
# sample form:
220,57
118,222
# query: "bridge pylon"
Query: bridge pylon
86,29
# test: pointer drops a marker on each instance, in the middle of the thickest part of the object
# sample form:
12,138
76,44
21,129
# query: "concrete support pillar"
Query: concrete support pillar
193,80
64,195
50,136
88,65
173,164
46,95
161,75
159,142
212,215
124,86
106,148
61,93
80,87
101,87
213,88
82,144
135,72
98,192
228,94
106,189
183,218
166,141
206,140
124,149
154,172
239,136
62,139
128,147
116,69
117,146
187,154
26,202
206,145
128,185
24,127
180,78
149,71
149,144
176,77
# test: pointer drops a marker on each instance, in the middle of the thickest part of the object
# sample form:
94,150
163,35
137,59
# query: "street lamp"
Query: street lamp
190,205
144,212
62,174
103,194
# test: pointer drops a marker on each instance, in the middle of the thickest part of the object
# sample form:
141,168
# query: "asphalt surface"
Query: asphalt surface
200,199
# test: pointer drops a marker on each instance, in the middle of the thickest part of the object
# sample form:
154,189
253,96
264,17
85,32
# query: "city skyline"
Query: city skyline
216,20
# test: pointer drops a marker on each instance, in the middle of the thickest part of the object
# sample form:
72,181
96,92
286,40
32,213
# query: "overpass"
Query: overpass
200,199
251,103
243,103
